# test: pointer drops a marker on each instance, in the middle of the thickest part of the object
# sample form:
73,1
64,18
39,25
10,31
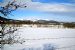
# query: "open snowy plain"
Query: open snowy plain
35,38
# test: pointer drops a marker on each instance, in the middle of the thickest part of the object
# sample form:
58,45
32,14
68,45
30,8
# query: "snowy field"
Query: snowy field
61,39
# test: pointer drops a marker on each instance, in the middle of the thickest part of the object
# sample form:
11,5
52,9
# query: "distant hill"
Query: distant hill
12,21
4,19
48,22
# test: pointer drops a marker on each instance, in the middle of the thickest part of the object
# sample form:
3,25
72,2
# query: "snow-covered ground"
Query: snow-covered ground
63,39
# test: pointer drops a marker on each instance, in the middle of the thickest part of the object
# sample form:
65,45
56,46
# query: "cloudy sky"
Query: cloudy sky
59,10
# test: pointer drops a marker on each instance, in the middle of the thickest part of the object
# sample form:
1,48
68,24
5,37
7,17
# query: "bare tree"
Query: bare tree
9,34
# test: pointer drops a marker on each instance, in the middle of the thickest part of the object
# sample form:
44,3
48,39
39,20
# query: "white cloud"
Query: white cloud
46,7
56,7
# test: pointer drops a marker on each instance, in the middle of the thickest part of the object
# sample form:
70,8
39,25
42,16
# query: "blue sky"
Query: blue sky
59,10
0,0
56,1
